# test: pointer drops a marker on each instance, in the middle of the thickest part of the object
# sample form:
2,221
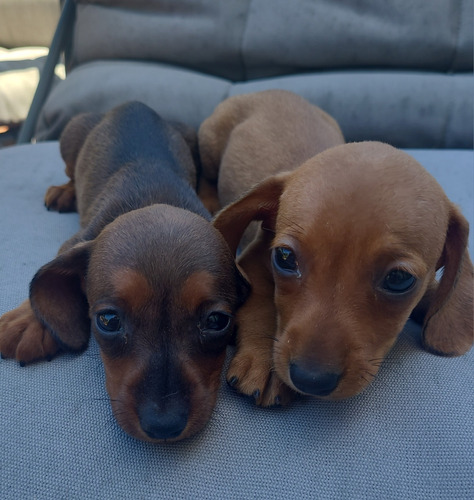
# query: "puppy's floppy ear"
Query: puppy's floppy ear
448,324
243,286
260,203
58,299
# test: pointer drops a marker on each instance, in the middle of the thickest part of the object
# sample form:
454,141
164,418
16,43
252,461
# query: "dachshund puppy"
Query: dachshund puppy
252,136
349,247
147,273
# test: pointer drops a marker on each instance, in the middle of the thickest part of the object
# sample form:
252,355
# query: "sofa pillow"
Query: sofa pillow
406,109
242,39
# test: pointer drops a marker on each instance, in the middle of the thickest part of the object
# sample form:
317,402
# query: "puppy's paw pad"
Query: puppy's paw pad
23,338
61,198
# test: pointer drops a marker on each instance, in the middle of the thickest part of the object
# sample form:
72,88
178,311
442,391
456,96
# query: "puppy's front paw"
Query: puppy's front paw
61,198
23,338
251,373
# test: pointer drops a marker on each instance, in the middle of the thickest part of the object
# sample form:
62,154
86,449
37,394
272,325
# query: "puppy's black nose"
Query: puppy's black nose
158,424
316,382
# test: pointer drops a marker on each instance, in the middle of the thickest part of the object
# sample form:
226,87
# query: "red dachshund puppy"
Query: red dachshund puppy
147,273
252,136
348,249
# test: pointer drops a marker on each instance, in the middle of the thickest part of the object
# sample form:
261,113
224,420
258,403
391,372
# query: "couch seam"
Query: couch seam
455,53
241,48
457,36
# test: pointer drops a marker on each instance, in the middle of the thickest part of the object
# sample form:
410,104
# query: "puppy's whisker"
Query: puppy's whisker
106,399
273,369
171,394
268,229
271,337
387,362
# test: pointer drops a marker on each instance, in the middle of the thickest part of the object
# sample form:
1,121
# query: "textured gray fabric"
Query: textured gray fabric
243,39
176,94
407,109
410,435
310,34
397,71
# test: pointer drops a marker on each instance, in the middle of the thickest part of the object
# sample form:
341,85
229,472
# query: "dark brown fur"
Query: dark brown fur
145,238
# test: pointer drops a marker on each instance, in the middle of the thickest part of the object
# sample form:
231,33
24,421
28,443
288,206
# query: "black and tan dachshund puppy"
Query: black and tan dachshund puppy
147,274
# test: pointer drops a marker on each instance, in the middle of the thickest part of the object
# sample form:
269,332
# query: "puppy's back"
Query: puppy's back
131,136
252,136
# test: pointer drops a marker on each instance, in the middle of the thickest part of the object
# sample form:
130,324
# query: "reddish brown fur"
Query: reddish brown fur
253,136
196,288
351,215
132,288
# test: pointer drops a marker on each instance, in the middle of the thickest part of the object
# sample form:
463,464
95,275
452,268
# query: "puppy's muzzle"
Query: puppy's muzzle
316,381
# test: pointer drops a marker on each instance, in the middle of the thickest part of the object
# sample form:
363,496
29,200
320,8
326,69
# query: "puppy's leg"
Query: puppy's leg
56,300
63,198
23,338
251,370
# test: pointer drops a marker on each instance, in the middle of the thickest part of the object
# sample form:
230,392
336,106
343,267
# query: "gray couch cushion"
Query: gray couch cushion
242,39
176,93
410,435
397,72
406,109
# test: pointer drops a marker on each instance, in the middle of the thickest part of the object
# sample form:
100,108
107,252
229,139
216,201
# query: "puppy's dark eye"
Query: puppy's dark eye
284,261
398,281
215,330
216,322
108,322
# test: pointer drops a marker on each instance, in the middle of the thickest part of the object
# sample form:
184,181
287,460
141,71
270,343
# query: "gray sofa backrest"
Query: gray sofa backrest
396,71
242,39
